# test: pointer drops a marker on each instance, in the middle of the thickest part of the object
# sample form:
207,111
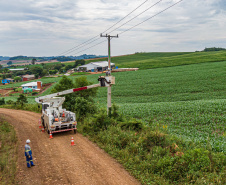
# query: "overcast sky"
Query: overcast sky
52,27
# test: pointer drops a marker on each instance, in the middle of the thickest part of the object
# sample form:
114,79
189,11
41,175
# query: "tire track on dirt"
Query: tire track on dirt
57,162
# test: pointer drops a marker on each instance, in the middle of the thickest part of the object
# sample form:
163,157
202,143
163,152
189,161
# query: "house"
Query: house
95,66
28,77
32,85
7,80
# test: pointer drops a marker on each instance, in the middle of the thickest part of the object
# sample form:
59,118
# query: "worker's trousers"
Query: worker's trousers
29,160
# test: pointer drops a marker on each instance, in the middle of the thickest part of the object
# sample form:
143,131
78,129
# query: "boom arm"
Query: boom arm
42,99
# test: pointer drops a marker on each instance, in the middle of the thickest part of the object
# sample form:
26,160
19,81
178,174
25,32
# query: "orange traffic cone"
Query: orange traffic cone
43,130
63,115
50,135
72,141
39,122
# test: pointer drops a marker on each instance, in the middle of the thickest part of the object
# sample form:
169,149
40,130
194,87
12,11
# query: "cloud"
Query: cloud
56,26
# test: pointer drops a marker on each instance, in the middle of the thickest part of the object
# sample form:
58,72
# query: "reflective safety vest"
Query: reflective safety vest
27,150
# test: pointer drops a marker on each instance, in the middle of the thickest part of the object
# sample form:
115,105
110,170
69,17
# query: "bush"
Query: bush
2,101
34,93
10,102
132,124
153,138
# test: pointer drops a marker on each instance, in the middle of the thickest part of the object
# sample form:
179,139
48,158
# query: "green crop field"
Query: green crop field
180,100
189,100
158,60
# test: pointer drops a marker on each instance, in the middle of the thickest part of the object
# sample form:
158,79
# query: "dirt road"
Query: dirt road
57,162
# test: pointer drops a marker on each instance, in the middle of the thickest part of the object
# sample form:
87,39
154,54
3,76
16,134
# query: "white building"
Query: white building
17,69
32,85
95,66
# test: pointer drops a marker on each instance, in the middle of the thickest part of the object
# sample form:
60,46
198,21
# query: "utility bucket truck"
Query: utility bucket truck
57,119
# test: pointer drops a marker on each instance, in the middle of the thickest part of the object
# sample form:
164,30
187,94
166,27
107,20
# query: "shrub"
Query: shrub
10,102
2,101
132,124
153,138
34,93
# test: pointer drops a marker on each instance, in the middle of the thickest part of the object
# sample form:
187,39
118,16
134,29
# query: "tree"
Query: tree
44,72
67,67
17,79
36,76
21,99
33,61
36,70
64,84
5,70
58,66
9,63
2,101
52,72
19,73
80,102
79,62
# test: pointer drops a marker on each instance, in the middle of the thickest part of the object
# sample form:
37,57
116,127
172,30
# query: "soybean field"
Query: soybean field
186,101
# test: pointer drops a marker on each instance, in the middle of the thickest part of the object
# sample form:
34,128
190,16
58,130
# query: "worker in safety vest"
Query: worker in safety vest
28,154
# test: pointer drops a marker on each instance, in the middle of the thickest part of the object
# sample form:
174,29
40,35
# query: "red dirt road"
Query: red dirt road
57,162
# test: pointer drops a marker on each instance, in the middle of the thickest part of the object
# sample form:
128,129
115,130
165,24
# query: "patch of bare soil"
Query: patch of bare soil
57,162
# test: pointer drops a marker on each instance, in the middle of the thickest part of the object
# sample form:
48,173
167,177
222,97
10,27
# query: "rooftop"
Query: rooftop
29,84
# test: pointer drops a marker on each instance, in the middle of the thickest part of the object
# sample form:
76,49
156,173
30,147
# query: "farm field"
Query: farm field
158,60
181,106
188,101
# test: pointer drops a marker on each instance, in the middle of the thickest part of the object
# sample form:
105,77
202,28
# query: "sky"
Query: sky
65,27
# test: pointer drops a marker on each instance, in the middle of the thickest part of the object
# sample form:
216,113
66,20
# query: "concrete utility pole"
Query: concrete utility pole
109,69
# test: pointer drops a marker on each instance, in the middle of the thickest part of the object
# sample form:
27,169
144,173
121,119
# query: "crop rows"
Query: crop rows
189,100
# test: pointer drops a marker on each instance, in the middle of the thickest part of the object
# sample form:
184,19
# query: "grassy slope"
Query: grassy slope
8,153
147,94
158,60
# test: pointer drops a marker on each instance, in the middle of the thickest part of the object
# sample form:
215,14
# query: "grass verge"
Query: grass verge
152,155
8,153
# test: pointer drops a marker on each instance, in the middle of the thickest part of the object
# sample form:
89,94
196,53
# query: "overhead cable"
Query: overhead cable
92,39
151,17
136,16
125,16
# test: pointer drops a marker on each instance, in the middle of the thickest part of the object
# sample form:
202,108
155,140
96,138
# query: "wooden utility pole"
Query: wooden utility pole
109,69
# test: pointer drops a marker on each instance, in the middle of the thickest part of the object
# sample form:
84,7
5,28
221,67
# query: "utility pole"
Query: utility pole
109,70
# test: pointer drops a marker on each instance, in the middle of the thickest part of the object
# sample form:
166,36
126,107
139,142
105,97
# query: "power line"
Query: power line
85,43
125,16
123,19
123,25
70,50
136,16
91,46
151,17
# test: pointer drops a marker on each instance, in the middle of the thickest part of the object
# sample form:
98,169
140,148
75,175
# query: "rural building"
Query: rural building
28,77
17,69
7,80
32,85
95,66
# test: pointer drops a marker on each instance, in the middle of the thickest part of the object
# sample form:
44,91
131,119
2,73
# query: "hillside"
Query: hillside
179,97
158,60
179,134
